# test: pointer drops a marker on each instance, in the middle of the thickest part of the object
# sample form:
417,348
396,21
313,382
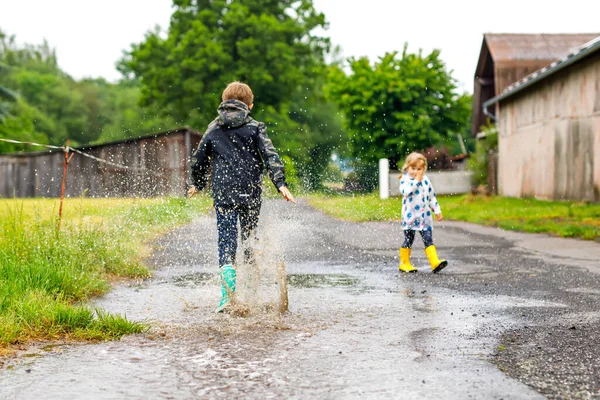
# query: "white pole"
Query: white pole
384,178
462,144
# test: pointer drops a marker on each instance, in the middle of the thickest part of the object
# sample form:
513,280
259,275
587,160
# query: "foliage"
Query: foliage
120,116
6,96
45,275
174,81
398,104
565,219
61,108
319,133
52,107
268,44
211,43
464,134
333,173
438,158
363,178
479,161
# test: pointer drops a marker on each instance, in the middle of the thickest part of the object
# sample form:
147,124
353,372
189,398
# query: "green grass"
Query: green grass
565,219
46,275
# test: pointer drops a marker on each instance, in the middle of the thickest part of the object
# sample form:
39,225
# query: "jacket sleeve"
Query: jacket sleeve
201,163
430,192
408,185
270,157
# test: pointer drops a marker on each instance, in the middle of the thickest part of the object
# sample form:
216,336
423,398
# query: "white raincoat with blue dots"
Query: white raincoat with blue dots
418,203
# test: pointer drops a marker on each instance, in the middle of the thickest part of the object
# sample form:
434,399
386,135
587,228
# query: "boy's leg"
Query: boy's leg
248,223
249,215
430,251
227,217
227,242
405,265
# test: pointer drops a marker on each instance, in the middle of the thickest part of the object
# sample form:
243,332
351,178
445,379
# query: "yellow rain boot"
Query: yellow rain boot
405,265
436,264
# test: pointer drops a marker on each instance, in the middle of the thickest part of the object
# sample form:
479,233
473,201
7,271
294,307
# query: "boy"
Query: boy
237,146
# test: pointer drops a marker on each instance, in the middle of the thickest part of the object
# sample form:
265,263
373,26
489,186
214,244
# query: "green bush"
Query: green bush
478,162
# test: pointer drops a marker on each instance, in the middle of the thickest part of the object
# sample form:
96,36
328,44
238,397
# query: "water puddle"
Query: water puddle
195,279
307,281
377,337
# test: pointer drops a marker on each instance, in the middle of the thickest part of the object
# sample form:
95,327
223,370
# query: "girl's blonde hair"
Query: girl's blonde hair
414,159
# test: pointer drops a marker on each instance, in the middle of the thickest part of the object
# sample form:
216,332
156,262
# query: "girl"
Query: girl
418,203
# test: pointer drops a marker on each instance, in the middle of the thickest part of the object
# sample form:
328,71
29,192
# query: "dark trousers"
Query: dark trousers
409,238
227,228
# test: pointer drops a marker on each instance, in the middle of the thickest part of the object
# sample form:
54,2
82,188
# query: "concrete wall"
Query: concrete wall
549,137
444,182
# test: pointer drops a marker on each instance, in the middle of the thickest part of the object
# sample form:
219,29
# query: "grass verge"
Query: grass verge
564,219
46,275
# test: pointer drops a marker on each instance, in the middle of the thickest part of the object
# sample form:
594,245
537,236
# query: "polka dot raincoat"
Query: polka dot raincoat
418,203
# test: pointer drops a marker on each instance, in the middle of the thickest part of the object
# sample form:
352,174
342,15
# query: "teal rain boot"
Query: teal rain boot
227,275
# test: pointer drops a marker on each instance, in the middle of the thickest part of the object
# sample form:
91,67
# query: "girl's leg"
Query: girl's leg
405,265
430,251
409,238
427,237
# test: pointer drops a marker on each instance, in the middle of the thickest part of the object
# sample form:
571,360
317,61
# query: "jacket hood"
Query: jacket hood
233,113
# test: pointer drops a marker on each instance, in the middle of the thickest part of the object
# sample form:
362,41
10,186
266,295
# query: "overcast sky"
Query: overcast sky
89,36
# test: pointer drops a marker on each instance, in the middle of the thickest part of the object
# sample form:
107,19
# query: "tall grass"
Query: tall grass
565,219
46,275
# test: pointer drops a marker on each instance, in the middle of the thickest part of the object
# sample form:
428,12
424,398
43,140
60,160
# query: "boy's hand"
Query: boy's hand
191,192
439,217
287,194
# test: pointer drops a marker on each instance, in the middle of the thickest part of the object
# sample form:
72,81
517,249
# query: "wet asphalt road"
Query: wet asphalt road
514,316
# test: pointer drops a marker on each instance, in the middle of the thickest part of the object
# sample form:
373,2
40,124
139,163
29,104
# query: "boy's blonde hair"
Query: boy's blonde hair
238,91
415,159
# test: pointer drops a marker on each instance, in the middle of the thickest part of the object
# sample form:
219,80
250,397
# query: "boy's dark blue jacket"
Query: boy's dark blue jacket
237,147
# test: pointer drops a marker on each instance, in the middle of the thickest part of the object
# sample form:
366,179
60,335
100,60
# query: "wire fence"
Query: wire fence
137,171
68,149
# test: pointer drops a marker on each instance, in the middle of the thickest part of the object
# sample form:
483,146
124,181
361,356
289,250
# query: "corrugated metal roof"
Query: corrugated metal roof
542,46
581,52
142,137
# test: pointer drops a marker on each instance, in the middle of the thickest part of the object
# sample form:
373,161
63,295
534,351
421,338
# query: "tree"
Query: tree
20,126
319,133
267,43
52,107
121,117
7,96
58,108
398,104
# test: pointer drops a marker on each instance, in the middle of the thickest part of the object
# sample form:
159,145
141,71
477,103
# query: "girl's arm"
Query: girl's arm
408,185
430,192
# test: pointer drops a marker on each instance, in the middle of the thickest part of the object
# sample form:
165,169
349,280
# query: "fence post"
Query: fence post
384,178
64,180
493,171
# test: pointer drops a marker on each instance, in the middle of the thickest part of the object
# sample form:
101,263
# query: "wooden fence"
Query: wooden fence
152,165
